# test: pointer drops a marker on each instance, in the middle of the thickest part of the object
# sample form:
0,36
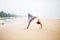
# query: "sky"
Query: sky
41,8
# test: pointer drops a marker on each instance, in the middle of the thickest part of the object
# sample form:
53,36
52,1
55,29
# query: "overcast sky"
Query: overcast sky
41,8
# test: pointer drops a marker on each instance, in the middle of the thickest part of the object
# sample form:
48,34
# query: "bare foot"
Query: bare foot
25,28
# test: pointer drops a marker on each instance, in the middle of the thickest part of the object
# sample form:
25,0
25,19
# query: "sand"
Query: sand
17,30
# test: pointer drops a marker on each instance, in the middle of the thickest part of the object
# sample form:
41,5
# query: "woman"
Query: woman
30,18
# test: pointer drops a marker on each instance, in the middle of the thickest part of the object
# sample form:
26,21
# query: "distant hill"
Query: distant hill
3,14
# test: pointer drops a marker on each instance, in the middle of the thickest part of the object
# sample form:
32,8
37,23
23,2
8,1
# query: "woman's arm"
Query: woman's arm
40,23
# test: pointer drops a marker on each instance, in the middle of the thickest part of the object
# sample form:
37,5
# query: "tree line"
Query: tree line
3,14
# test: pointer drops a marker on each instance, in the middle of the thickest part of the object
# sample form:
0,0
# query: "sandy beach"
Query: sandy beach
16,30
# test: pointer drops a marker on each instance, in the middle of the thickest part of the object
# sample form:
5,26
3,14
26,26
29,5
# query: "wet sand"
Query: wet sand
17,30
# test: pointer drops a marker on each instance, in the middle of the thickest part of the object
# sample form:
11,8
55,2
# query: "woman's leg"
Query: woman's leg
30,16
29,23
29,19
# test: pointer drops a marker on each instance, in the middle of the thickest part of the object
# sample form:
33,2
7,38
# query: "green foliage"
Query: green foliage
3,14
